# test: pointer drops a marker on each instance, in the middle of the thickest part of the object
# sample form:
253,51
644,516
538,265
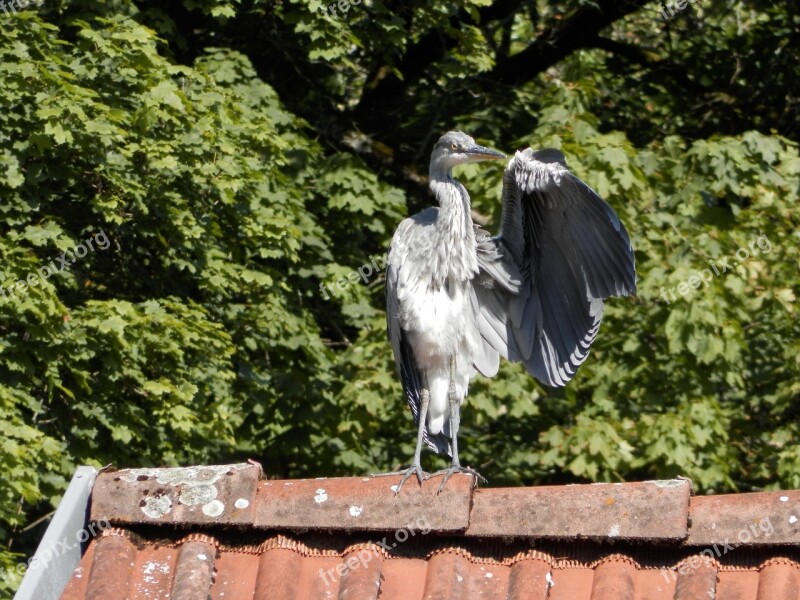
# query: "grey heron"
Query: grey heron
458,299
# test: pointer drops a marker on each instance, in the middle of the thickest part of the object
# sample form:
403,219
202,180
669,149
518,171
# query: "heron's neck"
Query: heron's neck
456,253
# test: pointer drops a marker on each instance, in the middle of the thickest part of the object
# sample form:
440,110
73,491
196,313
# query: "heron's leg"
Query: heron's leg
455,423
415,468
455,413
423,417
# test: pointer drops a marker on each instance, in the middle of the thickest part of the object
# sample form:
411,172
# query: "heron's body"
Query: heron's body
457,300
435,308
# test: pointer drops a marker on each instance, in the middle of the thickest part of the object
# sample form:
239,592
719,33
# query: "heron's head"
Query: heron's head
457,148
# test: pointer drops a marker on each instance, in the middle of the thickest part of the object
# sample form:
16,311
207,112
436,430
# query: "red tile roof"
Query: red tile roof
226,533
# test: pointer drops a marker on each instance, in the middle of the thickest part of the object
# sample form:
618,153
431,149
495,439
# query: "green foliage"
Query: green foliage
240,170
193,334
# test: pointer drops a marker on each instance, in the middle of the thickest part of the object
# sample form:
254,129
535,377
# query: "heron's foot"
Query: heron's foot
414,469
457,469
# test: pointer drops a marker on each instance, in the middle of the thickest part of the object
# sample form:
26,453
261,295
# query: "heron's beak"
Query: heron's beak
477,153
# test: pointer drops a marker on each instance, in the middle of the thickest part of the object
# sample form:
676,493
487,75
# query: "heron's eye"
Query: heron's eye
454,146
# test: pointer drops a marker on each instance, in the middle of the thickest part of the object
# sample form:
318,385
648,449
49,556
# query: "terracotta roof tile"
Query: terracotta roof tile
649,510
746,519
301,539
779,578
207,494
614,577
233,494
366,503
110,572
697,579
743,584
529,577
287,568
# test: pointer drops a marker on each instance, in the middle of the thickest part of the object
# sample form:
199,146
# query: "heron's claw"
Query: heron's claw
406,473
457,469
412,470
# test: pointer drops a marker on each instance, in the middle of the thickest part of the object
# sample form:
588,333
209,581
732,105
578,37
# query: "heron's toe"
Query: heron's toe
412,470
477,477
406,474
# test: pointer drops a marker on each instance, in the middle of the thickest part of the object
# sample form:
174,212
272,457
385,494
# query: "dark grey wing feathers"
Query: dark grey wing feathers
569,251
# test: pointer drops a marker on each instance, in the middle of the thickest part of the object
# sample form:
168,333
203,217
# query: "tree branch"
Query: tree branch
579,30
650,60
431,48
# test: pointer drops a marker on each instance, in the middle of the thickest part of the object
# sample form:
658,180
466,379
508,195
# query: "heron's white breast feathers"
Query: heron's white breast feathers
438,320
440,326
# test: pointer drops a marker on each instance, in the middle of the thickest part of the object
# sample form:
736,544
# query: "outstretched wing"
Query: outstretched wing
410,374
570,251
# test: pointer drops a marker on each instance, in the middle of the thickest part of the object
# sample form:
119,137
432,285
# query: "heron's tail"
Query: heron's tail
440,444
